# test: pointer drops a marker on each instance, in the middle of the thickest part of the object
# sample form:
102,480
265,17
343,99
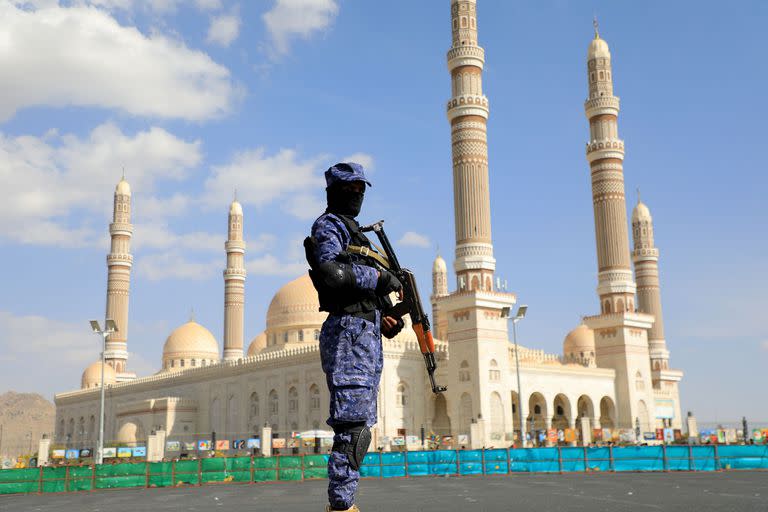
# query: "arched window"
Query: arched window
494,373
254,404
301,335
293,400
204,362
401,397
81,428
273,403
181,363
285,337
464,372
194,362
173,363
639,382
537,409
314,397
317,334
92,426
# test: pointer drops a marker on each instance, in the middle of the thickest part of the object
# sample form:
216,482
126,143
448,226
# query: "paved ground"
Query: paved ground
669,492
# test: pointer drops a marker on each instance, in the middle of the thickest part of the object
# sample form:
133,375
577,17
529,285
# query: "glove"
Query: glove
387,283
394,330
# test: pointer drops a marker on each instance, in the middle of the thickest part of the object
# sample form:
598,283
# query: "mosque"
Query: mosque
613,372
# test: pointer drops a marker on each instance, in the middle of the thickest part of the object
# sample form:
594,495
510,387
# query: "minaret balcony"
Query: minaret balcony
119,259
235,246
121,228
605,148
601,105
234,273
466,56
467,105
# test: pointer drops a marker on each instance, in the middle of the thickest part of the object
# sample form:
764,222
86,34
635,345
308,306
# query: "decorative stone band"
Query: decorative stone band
234,246
466,56
639,255
467,106
601,105
474,256
234,273
125,260
607,287
601,154
119,228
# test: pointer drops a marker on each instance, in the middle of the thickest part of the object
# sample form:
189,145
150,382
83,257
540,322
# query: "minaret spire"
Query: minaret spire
234,284
468,115
119,264
596,25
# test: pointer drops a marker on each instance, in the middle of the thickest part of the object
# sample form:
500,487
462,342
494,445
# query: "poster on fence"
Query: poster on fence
173,446
398,441
238,444
463,439
278,442
124,452
597,434
570,435
72,454
203,445
649,436
669,435
721,436
552,435
222,444
293,442
627,435
85,453
412,442
659,434
253,443
190,446
765,434
757,435
140,451
58,454
607,435
326,442
110,453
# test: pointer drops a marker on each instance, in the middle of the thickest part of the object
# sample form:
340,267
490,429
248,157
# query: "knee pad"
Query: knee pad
357,447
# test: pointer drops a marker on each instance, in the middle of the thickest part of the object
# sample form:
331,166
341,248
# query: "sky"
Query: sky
197,98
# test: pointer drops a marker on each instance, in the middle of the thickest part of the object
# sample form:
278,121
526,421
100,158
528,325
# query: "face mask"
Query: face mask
344,202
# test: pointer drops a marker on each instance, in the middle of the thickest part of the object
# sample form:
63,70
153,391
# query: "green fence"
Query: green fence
383,465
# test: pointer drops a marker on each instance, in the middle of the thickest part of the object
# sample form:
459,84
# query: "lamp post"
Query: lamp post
109,328
505,313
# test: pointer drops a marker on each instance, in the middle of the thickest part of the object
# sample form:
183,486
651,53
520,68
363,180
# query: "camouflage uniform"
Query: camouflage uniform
352,359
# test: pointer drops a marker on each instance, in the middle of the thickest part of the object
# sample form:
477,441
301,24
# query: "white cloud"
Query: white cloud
413,239
261,179
223,30
208,5
36,352
80,55
48,180
363,159
298,18
175,265
268,265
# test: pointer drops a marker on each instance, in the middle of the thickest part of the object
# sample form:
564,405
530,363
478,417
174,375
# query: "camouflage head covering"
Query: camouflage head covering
345,171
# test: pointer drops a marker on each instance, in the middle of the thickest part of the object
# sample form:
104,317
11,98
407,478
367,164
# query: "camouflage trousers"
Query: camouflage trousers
352,359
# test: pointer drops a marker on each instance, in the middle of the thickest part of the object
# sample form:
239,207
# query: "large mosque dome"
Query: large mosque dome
258,344
579,343
295,304
190,345
92,376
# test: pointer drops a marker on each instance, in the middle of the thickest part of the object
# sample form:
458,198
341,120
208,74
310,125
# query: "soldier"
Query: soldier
356,295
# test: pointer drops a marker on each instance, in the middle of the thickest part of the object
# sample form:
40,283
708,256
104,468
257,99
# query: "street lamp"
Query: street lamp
505,313
109,328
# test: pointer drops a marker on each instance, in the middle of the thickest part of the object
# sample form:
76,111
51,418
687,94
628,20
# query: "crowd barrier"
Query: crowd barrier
383,465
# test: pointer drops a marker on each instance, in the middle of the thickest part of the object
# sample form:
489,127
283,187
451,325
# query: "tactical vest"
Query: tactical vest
348,302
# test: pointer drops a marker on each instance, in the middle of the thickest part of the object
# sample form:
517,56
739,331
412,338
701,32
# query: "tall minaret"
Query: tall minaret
605,153
468,115
119,263
646,259
234,285
439,289
621,333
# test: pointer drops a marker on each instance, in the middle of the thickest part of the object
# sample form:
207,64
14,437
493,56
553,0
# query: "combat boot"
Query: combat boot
353,508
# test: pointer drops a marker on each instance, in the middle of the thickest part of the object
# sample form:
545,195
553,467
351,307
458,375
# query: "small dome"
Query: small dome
641,212
578,341
258,344
598,48
123,188
295,305
189,341
235,208
92,376
439,266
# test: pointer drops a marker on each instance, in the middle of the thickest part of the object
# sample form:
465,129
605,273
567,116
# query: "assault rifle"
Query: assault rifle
410,305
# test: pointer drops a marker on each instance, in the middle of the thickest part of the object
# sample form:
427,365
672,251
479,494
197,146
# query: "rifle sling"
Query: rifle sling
366,251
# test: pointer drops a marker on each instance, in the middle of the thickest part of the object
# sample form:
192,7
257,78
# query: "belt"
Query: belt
366,315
